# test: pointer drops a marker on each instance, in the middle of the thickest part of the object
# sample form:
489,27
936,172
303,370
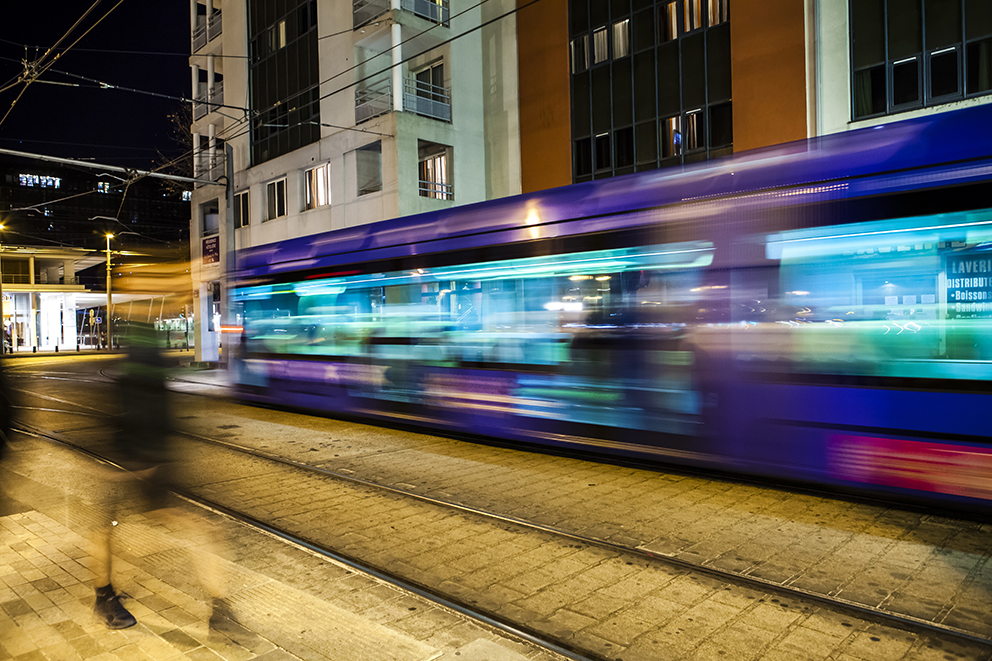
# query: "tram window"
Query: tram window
901,298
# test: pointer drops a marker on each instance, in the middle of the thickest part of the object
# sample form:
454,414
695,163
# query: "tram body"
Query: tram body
819,312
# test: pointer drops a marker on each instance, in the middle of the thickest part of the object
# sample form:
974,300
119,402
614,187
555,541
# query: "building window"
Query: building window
600,46
692,15
318,187
103,186
719,12
908,54
275,199
368,163
621,39
668,22
580,54
242,211
210,217
430,82
434,171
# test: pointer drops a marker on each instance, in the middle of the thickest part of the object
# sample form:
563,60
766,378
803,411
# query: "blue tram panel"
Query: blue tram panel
818,313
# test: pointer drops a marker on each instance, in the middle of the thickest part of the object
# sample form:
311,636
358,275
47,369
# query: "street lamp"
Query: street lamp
110,327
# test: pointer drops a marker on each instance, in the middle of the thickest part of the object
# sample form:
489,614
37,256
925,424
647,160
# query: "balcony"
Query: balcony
426,99
215,27
364,11
207,166
435,11
217,97
206,31
373,100
206,101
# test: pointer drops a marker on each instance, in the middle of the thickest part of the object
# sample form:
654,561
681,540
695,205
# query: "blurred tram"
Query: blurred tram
818,312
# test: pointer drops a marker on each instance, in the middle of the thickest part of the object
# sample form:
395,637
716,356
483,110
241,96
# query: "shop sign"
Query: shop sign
211,250
969,285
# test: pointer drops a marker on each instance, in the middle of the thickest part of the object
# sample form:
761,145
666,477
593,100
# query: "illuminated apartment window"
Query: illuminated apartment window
668,22
908,54
719,12
600,46
242,213
434,171
692,15
318,187
103,186
275,199
621,39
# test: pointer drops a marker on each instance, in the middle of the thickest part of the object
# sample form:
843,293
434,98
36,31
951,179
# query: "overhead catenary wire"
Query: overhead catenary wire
39,67
243,125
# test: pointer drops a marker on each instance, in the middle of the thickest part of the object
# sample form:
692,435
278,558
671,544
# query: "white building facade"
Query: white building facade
335,114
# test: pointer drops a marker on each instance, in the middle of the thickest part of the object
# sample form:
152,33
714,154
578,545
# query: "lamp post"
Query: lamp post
110,327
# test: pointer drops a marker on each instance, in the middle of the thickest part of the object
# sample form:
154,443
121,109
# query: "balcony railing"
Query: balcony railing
437,190
364,11
199,106
217,97
216,26
207,167
204,31
373,100
199,35
435,12
427,99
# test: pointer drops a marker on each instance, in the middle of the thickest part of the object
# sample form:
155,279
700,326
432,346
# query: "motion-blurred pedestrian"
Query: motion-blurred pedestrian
143,446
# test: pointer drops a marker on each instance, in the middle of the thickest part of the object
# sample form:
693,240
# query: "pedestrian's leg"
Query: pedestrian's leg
108,605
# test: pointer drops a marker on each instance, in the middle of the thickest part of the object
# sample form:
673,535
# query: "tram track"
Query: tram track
534,636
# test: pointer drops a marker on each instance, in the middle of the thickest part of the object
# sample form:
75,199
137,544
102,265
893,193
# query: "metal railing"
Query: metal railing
199,35
207,31
427,99
207,167
435,12
437,190
364,11
373,100
199,106
216,26
217,97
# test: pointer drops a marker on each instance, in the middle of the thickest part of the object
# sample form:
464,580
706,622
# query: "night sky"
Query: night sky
104,125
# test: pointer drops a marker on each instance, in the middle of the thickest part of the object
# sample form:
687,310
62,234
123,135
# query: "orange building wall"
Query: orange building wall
545,117
768,64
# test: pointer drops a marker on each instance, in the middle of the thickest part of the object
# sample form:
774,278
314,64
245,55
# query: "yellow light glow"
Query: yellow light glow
580,277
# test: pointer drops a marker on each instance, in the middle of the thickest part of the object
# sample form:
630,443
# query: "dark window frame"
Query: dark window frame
588,141
864,107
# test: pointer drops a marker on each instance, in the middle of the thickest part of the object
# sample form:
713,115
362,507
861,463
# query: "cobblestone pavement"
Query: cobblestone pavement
289,603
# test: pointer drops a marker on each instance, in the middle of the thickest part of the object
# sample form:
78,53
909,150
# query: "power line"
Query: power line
32,70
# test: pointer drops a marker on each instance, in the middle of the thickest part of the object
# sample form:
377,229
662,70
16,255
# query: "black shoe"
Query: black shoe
108,607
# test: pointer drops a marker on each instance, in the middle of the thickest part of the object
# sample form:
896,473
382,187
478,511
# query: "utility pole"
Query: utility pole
110,327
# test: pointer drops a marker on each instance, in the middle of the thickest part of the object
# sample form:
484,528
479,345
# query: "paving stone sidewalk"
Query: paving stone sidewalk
290,604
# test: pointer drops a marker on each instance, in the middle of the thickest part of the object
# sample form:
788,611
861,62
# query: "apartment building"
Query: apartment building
324,114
